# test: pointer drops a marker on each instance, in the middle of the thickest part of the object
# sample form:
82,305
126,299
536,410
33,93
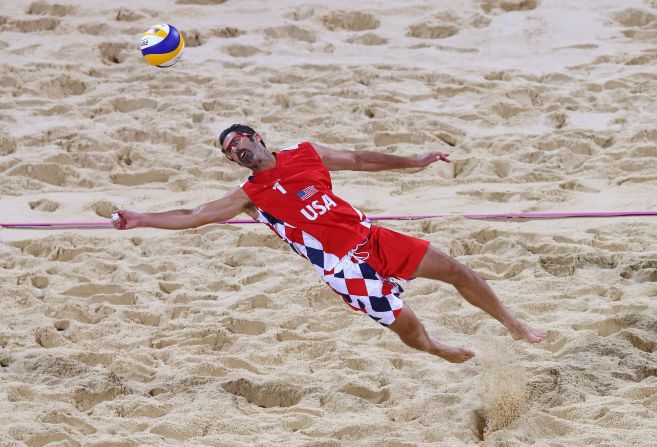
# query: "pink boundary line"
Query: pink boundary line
42,225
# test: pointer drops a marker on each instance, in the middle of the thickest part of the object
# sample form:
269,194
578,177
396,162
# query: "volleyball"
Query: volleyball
162,45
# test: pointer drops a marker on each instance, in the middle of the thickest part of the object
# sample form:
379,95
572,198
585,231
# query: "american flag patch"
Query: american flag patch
307,192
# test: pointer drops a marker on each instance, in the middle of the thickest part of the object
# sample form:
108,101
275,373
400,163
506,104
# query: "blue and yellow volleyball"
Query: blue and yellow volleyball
162,45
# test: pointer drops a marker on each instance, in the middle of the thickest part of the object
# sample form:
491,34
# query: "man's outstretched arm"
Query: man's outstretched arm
336,160
229,206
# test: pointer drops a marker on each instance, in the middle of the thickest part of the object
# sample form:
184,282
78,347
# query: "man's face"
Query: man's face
243,149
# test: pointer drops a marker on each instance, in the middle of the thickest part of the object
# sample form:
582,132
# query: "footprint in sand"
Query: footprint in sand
213,339
35,25
302,12
245,327
43,205
200,2
509,5
113,52
567,265
142,177
254,278
103,208
369,39
131,135
242,50
95,29
221,286
51,173
40,282
372,396
126,105
350,20
142,317
236,363
292,32
259,301
128,15
7,143
169,287
61,325
43,8
90,289
48,337
604,328
642,271
54,249
258,240
267,394
318,297
98,389
645,341
62,418
633,17
357,364
227,32
431,31
639,329
194,38
62,87
645,34
117,299
575,185
132,406
389,138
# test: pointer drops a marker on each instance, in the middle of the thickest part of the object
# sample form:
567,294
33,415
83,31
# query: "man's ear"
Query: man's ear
258,138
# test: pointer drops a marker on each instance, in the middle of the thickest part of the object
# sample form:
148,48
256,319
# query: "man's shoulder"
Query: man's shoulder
301,145
290,148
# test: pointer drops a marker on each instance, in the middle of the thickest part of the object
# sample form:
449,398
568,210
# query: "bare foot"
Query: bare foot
452,354
522,331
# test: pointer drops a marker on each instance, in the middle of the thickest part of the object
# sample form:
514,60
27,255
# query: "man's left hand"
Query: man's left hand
423,161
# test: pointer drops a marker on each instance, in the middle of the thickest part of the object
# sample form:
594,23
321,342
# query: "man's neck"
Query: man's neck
267,163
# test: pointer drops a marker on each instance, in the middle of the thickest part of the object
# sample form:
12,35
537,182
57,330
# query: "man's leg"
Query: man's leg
412,332
440,266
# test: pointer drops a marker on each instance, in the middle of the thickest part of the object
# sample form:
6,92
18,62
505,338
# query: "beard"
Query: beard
246,157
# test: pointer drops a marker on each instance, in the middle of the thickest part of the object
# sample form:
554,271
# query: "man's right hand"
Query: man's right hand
125,220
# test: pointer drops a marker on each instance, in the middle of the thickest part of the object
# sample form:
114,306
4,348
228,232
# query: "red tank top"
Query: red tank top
295,199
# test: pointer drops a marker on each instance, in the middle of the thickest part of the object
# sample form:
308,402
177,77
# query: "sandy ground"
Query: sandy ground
220,336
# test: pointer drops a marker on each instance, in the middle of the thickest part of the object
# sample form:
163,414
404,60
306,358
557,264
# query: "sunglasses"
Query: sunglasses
234,144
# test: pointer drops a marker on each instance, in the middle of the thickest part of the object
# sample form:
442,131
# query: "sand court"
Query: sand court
221,336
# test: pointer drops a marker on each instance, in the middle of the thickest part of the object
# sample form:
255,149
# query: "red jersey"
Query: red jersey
295,199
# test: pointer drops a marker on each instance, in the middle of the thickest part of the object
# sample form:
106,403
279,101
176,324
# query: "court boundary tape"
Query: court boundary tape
496,216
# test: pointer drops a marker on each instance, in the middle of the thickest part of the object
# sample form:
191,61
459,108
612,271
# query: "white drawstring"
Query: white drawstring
360,256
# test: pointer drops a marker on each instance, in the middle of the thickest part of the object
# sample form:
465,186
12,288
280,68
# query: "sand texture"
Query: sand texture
221,336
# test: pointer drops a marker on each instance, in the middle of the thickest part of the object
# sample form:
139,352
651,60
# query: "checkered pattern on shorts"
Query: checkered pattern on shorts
363,289
359,285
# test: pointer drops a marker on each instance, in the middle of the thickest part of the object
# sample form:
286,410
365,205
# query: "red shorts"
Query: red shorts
365,277
392,254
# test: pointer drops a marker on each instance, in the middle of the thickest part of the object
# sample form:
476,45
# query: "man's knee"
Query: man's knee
407,326
441,266
456,273
410,330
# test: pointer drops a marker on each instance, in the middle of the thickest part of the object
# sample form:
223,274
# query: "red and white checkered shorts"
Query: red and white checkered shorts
365,277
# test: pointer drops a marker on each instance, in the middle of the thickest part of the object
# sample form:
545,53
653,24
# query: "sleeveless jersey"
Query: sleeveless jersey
295,199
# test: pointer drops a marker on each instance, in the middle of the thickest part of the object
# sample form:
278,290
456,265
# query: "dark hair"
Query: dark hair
240,128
